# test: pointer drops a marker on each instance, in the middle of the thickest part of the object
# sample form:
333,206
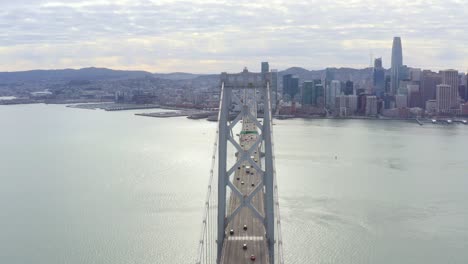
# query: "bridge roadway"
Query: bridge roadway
244,177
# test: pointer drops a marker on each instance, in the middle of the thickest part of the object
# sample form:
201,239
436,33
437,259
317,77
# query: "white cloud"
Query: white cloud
218,35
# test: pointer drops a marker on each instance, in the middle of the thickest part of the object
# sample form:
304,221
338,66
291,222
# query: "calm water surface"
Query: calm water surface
84,186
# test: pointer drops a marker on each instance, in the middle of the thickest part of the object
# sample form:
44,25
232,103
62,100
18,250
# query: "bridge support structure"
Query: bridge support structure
244,94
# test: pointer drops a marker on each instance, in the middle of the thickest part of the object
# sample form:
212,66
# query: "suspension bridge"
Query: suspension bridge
241,220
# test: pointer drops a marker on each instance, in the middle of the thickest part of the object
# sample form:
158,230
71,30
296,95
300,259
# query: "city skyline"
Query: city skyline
215,36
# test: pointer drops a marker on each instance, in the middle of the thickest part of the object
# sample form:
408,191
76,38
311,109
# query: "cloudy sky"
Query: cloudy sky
210,36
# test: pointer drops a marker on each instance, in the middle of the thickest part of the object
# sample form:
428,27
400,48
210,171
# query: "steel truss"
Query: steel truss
249,83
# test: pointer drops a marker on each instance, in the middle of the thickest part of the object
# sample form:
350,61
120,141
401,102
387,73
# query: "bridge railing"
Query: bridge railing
279,253
207,248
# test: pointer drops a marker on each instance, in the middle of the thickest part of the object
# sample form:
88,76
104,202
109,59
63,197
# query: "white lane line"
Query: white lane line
247,238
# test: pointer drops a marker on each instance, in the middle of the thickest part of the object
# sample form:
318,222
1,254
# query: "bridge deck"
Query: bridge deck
254,236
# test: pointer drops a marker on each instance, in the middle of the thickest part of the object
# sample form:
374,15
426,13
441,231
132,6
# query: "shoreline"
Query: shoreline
196,114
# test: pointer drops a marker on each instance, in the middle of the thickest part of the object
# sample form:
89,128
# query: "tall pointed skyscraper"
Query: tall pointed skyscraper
397,63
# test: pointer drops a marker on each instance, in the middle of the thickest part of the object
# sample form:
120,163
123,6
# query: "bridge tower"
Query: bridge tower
242,95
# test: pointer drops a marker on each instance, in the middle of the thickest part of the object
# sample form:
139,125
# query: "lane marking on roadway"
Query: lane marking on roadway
249,238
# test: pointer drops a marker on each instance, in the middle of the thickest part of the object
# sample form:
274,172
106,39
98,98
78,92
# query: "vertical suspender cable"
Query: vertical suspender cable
204,236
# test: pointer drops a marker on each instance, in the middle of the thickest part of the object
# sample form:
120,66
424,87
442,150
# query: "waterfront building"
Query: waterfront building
401,101
462,86
319,98
444,98
347,104
388,101
414,97
352,104
431,106
379,78
343,111
429,81
361,103
332,91
464,109
397,63
462,91
450,77
371,105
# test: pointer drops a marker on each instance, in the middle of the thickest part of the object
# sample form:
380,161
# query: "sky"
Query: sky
222,35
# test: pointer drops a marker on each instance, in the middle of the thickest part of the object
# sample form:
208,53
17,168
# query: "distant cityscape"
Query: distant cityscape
401,92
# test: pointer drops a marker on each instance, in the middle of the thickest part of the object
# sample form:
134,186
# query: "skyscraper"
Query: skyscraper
333,90
265,67
397,63
349,88
329,76
404,73
415,74
308,93
429,81
379,78
371,105
401,101
466,90
450,77
286,81
462,85
414,96
443,96
274,88
294,86
378,63
273,84
387,84
290,85
462,91
319,93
